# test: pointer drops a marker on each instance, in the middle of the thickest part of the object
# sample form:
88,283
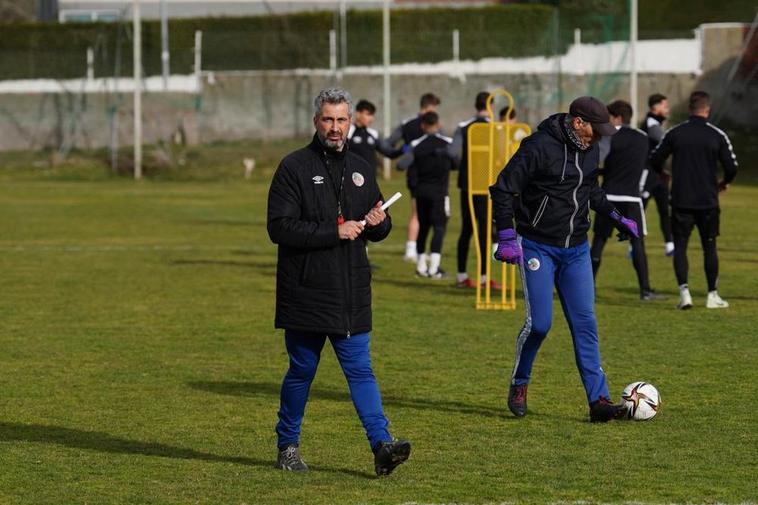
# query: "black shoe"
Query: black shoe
388,455
289,459
517,400
647,296
602,411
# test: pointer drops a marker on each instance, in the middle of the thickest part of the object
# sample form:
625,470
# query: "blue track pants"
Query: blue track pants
304,351
570,271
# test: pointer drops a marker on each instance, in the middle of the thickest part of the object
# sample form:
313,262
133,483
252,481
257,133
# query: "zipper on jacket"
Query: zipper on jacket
576,203
540,211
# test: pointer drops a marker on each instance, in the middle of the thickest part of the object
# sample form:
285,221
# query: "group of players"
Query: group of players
325,205
631,163
427,156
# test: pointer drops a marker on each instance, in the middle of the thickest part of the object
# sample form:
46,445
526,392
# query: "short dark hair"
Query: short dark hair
367,106
512,115
428,99
622,109
430,118
655,99
699,100
481,100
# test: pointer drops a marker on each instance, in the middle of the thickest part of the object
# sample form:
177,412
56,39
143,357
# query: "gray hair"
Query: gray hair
333,96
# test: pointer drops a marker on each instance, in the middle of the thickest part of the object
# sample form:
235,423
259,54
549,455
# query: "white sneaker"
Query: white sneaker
669,248
714,301
411,258
685,299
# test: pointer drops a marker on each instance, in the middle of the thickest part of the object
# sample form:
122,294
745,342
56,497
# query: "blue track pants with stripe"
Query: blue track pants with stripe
570,271
304,351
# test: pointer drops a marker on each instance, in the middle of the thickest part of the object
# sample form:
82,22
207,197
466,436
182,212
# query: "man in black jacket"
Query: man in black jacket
408,131
549,186
364,140
622,174
319,197
428,164
696,146
656,185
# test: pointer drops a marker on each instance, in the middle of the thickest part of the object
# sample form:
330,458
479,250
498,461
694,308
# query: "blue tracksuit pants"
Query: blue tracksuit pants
304,351
570,271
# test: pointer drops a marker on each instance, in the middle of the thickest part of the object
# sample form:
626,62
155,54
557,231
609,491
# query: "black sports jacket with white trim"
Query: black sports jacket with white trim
696,146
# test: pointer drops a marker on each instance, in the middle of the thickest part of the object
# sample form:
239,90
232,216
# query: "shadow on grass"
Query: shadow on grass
272,389
107,443
266,267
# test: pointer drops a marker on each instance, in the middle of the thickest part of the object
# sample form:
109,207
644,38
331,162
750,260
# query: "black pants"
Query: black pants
604,229
467,230
707,222
433,212
660,193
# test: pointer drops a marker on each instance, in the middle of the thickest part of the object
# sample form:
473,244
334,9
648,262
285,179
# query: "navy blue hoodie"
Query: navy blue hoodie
549,187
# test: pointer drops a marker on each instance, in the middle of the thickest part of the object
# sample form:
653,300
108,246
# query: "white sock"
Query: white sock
669,247
683,288
410,248
483,279
421,266
462,276
434,263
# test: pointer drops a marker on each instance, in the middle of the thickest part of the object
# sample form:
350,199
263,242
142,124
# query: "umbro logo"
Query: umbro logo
318,180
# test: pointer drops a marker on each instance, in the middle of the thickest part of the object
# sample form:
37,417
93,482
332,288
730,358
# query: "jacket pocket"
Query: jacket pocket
540,211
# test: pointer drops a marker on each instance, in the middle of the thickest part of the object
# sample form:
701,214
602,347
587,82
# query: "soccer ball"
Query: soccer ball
641,400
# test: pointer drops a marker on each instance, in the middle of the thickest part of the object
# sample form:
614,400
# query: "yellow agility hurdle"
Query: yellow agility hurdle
490,146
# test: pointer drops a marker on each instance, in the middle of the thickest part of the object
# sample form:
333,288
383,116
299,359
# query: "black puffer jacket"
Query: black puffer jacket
323,284
550,187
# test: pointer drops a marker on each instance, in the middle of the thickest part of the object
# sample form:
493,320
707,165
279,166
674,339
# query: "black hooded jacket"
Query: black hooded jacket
549,186
323,284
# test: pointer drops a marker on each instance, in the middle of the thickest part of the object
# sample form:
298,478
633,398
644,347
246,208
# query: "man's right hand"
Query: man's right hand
508,248
349,230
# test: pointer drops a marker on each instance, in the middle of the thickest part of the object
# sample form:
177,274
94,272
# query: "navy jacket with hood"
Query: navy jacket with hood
549,186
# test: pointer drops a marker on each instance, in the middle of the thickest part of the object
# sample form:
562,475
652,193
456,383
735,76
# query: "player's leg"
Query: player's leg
639,255
682,222
708,227
423,206
355,359
602,230
577,294
304,352
439,215
464,240
661,195
537,276
413,229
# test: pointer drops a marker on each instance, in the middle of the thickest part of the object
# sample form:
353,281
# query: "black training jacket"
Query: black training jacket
627,159
460,148
696,146
430,165
549,187
653,127
323,284
365,142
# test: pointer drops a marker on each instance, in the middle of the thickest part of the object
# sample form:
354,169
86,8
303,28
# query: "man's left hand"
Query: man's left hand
723,186
376,215
625,225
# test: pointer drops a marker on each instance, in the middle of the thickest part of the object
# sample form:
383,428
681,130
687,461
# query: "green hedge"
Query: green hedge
37,50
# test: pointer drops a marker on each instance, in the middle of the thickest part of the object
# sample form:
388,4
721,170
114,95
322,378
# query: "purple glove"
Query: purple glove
625,226
508,248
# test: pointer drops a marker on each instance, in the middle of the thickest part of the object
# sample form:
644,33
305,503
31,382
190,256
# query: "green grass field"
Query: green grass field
139,364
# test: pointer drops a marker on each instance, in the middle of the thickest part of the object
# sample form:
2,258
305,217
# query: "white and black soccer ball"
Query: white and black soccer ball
642,401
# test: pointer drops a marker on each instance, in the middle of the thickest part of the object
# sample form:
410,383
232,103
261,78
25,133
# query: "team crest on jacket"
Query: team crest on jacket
358,179
318,179
533,264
